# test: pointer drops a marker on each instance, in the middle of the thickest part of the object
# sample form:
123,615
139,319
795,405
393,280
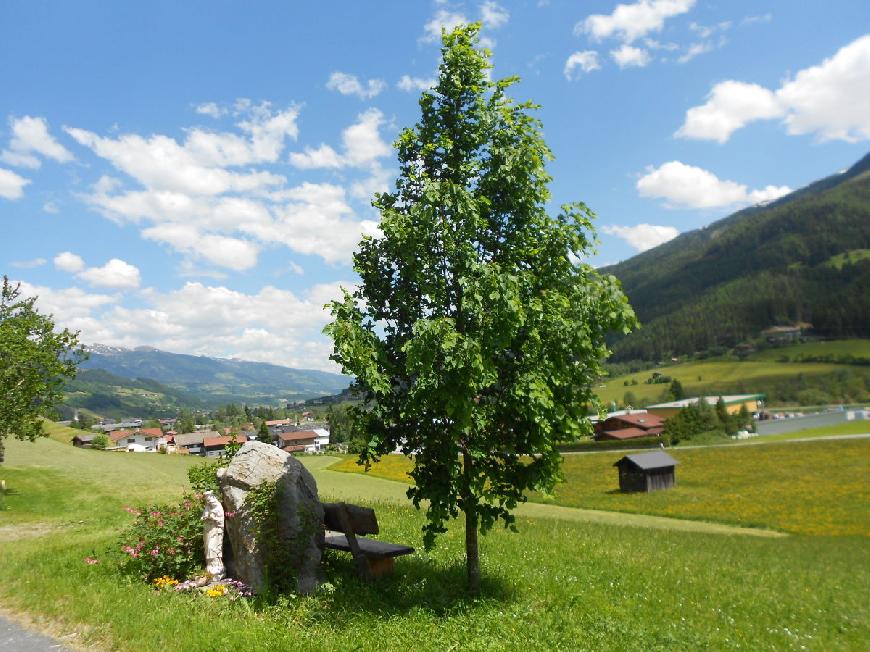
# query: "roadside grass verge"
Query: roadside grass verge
553,585
816,488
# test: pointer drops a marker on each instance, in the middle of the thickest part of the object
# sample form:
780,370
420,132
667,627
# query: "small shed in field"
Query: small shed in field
646,472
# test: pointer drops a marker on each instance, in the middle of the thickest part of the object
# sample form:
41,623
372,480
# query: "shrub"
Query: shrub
164,540
100,442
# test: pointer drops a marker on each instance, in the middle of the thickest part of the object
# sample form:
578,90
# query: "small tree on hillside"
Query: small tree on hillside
34,360
676,390
475,335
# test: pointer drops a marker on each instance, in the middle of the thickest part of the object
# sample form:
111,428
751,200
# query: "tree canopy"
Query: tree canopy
476,333
34,360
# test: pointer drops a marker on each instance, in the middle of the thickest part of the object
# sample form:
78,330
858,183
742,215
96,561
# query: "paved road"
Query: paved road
14,638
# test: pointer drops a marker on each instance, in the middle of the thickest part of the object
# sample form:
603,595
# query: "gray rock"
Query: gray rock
300,515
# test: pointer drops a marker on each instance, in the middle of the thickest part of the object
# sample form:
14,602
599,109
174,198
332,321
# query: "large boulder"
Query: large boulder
295,536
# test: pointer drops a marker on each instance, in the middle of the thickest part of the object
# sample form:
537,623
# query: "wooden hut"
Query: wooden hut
646,472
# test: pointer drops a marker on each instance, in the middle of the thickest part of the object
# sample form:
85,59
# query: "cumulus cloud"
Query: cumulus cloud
348,84
115,274
730,106
694,50
69,262
362,141
586,61
271,325
687,186
410,84
628,56
642,236
30,136
830,100
629,22
11,184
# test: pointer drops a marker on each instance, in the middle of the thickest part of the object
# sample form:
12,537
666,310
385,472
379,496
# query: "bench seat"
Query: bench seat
368,547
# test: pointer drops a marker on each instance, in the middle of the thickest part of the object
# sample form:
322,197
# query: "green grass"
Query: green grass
838,261
857,348
701,376
557,584
817,488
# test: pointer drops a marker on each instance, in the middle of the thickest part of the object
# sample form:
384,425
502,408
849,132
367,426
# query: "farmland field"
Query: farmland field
557,584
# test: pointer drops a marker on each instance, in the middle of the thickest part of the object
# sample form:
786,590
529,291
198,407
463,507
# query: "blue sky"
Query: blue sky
194,176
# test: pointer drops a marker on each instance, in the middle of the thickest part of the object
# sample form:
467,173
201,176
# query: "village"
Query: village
292,436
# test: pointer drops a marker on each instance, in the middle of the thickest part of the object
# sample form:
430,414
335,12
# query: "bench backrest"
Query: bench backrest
361,520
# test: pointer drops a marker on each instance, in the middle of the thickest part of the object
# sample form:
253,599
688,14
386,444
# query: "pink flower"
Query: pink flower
134,512
154,552
229,514
155,513
90,561
129,550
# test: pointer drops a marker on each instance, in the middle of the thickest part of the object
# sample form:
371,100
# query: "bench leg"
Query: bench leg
381,566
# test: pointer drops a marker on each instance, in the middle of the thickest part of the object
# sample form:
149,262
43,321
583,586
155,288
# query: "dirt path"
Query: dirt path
354,487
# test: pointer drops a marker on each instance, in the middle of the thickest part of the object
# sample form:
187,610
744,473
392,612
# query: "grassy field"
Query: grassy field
817,488
557,584
858,348
701,376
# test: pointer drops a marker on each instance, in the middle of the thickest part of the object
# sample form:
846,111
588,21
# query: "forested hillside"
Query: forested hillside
803,258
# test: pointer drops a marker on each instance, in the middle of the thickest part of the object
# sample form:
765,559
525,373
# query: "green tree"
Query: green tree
676,390
475,335
185,422
100,442
34,361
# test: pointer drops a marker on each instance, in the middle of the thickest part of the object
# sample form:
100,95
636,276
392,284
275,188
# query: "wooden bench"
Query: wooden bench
373,558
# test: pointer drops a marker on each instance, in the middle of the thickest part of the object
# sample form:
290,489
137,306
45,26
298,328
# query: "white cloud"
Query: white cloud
362,141
225,251
687,186
211,109
348,84
830,100
730,106
30,136
50,207
493,15
694,50
443,19
642,236
116,274
410,84
69,262
28,264
315,219
629,22
586,61
11,184
628,56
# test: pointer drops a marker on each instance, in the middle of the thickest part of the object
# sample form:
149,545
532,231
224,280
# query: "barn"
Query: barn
646,472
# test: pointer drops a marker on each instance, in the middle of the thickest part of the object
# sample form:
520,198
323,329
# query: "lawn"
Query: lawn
554,585
817,488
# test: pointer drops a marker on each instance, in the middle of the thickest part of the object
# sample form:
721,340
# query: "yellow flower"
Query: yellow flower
165,581
216,591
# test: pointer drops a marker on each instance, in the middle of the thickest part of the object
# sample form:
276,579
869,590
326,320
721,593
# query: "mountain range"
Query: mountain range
115,381
804,258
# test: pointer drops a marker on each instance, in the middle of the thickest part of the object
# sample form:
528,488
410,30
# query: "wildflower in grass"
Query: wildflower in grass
130,510
164,582
239,588
90,561
187,585
217,591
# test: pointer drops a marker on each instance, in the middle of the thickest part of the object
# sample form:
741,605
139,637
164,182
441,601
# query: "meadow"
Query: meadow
770,371
557,584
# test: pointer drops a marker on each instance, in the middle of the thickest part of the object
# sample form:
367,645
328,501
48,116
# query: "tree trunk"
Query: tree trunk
472,557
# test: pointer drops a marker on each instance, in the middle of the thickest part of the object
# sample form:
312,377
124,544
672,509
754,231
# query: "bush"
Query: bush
100,442
164,540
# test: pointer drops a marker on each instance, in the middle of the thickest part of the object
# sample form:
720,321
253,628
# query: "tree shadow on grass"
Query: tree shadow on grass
418,584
